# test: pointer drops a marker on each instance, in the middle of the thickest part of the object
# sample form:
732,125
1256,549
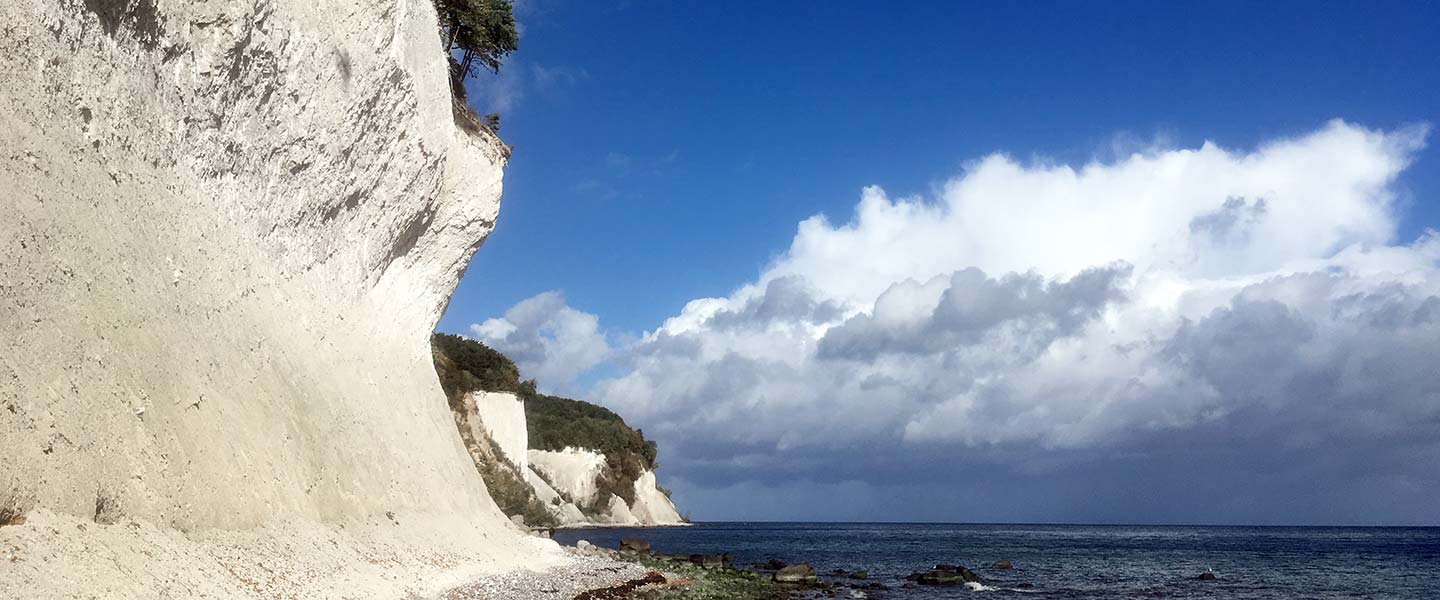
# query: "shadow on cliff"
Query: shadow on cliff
139,17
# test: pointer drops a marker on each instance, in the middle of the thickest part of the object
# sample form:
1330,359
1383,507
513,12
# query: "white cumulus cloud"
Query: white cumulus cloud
1170,303
547,339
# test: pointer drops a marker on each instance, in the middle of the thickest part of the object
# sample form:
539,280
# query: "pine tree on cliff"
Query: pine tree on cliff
482,30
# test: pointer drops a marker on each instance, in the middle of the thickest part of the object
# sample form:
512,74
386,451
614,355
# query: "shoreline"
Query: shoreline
583,526
583,574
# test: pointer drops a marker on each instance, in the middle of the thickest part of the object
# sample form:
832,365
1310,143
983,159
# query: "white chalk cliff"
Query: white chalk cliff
571,474
563,481
652,505
227,229
502,416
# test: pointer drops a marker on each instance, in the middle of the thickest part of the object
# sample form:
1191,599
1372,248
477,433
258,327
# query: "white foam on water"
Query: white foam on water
975,586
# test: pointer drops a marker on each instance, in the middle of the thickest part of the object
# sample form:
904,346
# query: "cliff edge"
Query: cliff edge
230,227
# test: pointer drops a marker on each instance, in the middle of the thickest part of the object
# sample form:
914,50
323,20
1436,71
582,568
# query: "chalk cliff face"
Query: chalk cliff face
571,473
651,505
502,415
229,229
561,480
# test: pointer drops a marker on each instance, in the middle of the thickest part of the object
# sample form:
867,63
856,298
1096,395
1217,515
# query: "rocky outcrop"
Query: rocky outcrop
635,546
229,230
651,505
801,573
944,575
572,475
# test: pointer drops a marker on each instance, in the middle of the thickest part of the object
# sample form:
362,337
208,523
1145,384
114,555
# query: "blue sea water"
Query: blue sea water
1084,561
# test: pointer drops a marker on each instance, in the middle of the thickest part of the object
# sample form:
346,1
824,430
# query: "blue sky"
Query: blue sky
993,307
673,147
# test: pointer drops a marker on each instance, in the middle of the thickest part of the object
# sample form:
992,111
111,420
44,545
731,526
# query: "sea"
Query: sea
1082,561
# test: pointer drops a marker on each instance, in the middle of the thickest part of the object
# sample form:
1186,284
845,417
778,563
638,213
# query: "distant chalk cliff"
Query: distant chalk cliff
548,460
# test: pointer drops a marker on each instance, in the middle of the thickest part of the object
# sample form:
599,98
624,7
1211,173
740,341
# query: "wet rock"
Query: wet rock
801,573
1003,565
860,575
1208,576
773,564
634,546
949,575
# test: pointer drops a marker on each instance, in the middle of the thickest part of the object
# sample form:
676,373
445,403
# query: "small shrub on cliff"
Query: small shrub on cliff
107,506
15,501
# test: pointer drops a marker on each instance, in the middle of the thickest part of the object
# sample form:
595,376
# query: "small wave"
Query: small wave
975,586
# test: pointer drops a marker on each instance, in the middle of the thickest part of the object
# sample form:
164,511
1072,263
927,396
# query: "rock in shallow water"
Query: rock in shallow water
634,545
945,575
801,573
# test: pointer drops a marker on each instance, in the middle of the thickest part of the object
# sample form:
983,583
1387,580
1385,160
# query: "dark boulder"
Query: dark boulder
1208,576
773,564
634,546
801,573
950,575
860,575
1003,565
